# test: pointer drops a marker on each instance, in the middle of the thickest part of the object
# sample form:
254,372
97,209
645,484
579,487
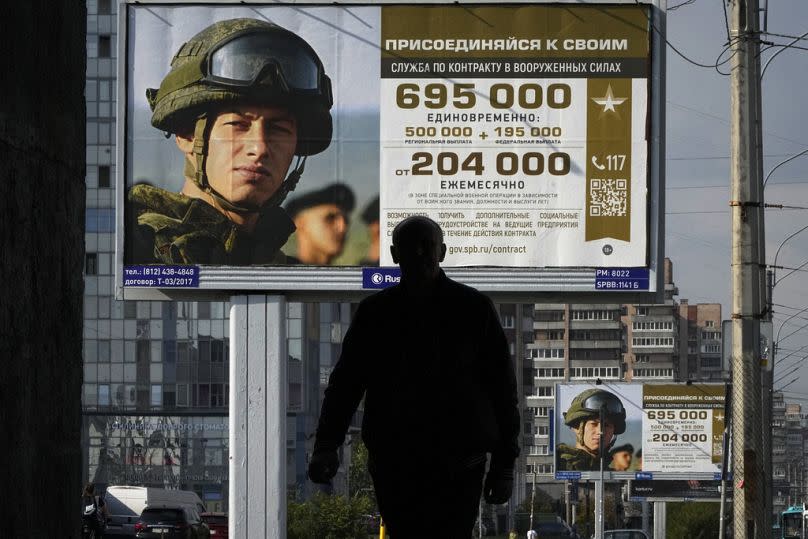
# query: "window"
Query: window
91,264
542,411
652,326
652,341
543,430
595,315
103,395
710,323
218,397
711,349
653,373
548,353
642,311
104,7
104,46
507,321
545,391
595,372
548,316
642,358
103,176
550,373
156,395
100,220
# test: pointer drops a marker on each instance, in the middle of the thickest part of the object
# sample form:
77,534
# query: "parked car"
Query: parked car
171,522
126,503
217,522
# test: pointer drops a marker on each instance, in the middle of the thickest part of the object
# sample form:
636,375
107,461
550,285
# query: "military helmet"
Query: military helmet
587,405
246,61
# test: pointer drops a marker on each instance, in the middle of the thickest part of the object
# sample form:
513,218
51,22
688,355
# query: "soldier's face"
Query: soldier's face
323,229
621,460
592,434
249,152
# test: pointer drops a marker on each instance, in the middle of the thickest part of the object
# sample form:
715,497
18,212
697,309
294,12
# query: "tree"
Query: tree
695,520
359,478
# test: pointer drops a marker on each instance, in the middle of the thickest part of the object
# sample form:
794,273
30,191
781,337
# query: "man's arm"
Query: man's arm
346,386
502,392
502,389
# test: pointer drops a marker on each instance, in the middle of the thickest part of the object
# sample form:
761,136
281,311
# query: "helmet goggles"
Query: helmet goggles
595,402
261,59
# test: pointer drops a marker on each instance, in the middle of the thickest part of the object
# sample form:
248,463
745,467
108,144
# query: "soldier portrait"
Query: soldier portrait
581,432
322,218
239,116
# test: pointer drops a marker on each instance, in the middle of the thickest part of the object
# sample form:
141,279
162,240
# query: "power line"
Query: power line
671,45
716,157
677,6
798,182
773,56
726,122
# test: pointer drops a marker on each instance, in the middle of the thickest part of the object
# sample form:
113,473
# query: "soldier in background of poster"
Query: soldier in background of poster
243,97
322,218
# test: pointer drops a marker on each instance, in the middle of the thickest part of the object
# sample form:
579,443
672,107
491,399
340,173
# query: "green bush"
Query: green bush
328,517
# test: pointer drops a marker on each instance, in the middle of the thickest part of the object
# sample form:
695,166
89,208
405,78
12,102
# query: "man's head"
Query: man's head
244,96
621,457
322,218
583,417
419,249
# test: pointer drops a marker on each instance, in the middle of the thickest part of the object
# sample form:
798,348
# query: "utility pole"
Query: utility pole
750,518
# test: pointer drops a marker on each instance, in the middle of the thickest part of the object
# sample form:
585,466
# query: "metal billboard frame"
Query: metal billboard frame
503,284
610,475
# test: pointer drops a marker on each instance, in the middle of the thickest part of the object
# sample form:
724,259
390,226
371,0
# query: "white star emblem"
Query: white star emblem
719,417
609,101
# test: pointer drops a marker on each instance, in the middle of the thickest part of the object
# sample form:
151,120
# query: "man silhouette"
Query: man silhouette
432,362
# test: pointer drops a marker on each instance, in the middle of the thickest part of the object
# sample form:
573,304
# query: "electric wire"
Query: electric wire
785,47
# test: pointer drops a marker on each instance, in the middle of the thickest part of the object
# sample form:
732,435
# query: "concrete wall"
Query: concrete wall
42,135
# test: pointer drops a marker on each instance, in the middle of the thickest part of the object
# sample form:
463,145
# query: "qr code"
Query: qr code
608,198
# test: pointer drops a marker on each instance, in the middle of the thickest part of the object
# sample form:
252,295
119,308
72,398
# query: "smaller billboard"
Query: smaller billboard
657,431
676,490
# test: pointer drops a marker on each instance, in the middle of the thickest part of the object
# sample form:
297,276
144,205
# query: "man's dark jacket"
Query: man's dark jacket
436,374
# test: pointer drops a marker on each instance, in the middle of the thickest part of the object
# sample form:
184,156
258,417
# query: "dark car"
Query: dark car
217,522
171,522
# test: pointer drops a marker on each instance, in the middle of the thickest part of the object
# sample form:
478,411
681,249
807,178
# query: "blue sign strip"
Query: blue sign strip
378,278
621,279
643,475
567,475
161,276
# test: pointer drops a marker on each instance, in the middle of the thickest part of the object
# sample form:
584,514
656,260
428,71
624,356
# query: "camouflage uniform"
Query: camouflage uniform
577,460
171,228
230,62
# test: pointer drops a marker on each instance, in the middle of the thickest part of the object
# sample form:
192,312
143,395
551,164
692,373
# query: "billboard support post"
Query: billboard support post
660,515
257,501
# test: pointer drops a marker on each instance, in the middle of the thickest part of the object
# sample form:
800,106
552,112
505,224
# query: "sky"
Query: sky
698,227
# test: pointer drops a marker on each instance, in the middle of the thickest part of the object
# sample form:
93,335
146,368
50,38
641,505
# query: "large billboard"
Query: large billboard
651,431
277,146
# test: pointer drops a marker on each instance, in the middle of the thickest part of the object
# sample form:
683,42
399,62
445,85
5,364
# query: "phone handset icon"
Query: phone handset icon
596,164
